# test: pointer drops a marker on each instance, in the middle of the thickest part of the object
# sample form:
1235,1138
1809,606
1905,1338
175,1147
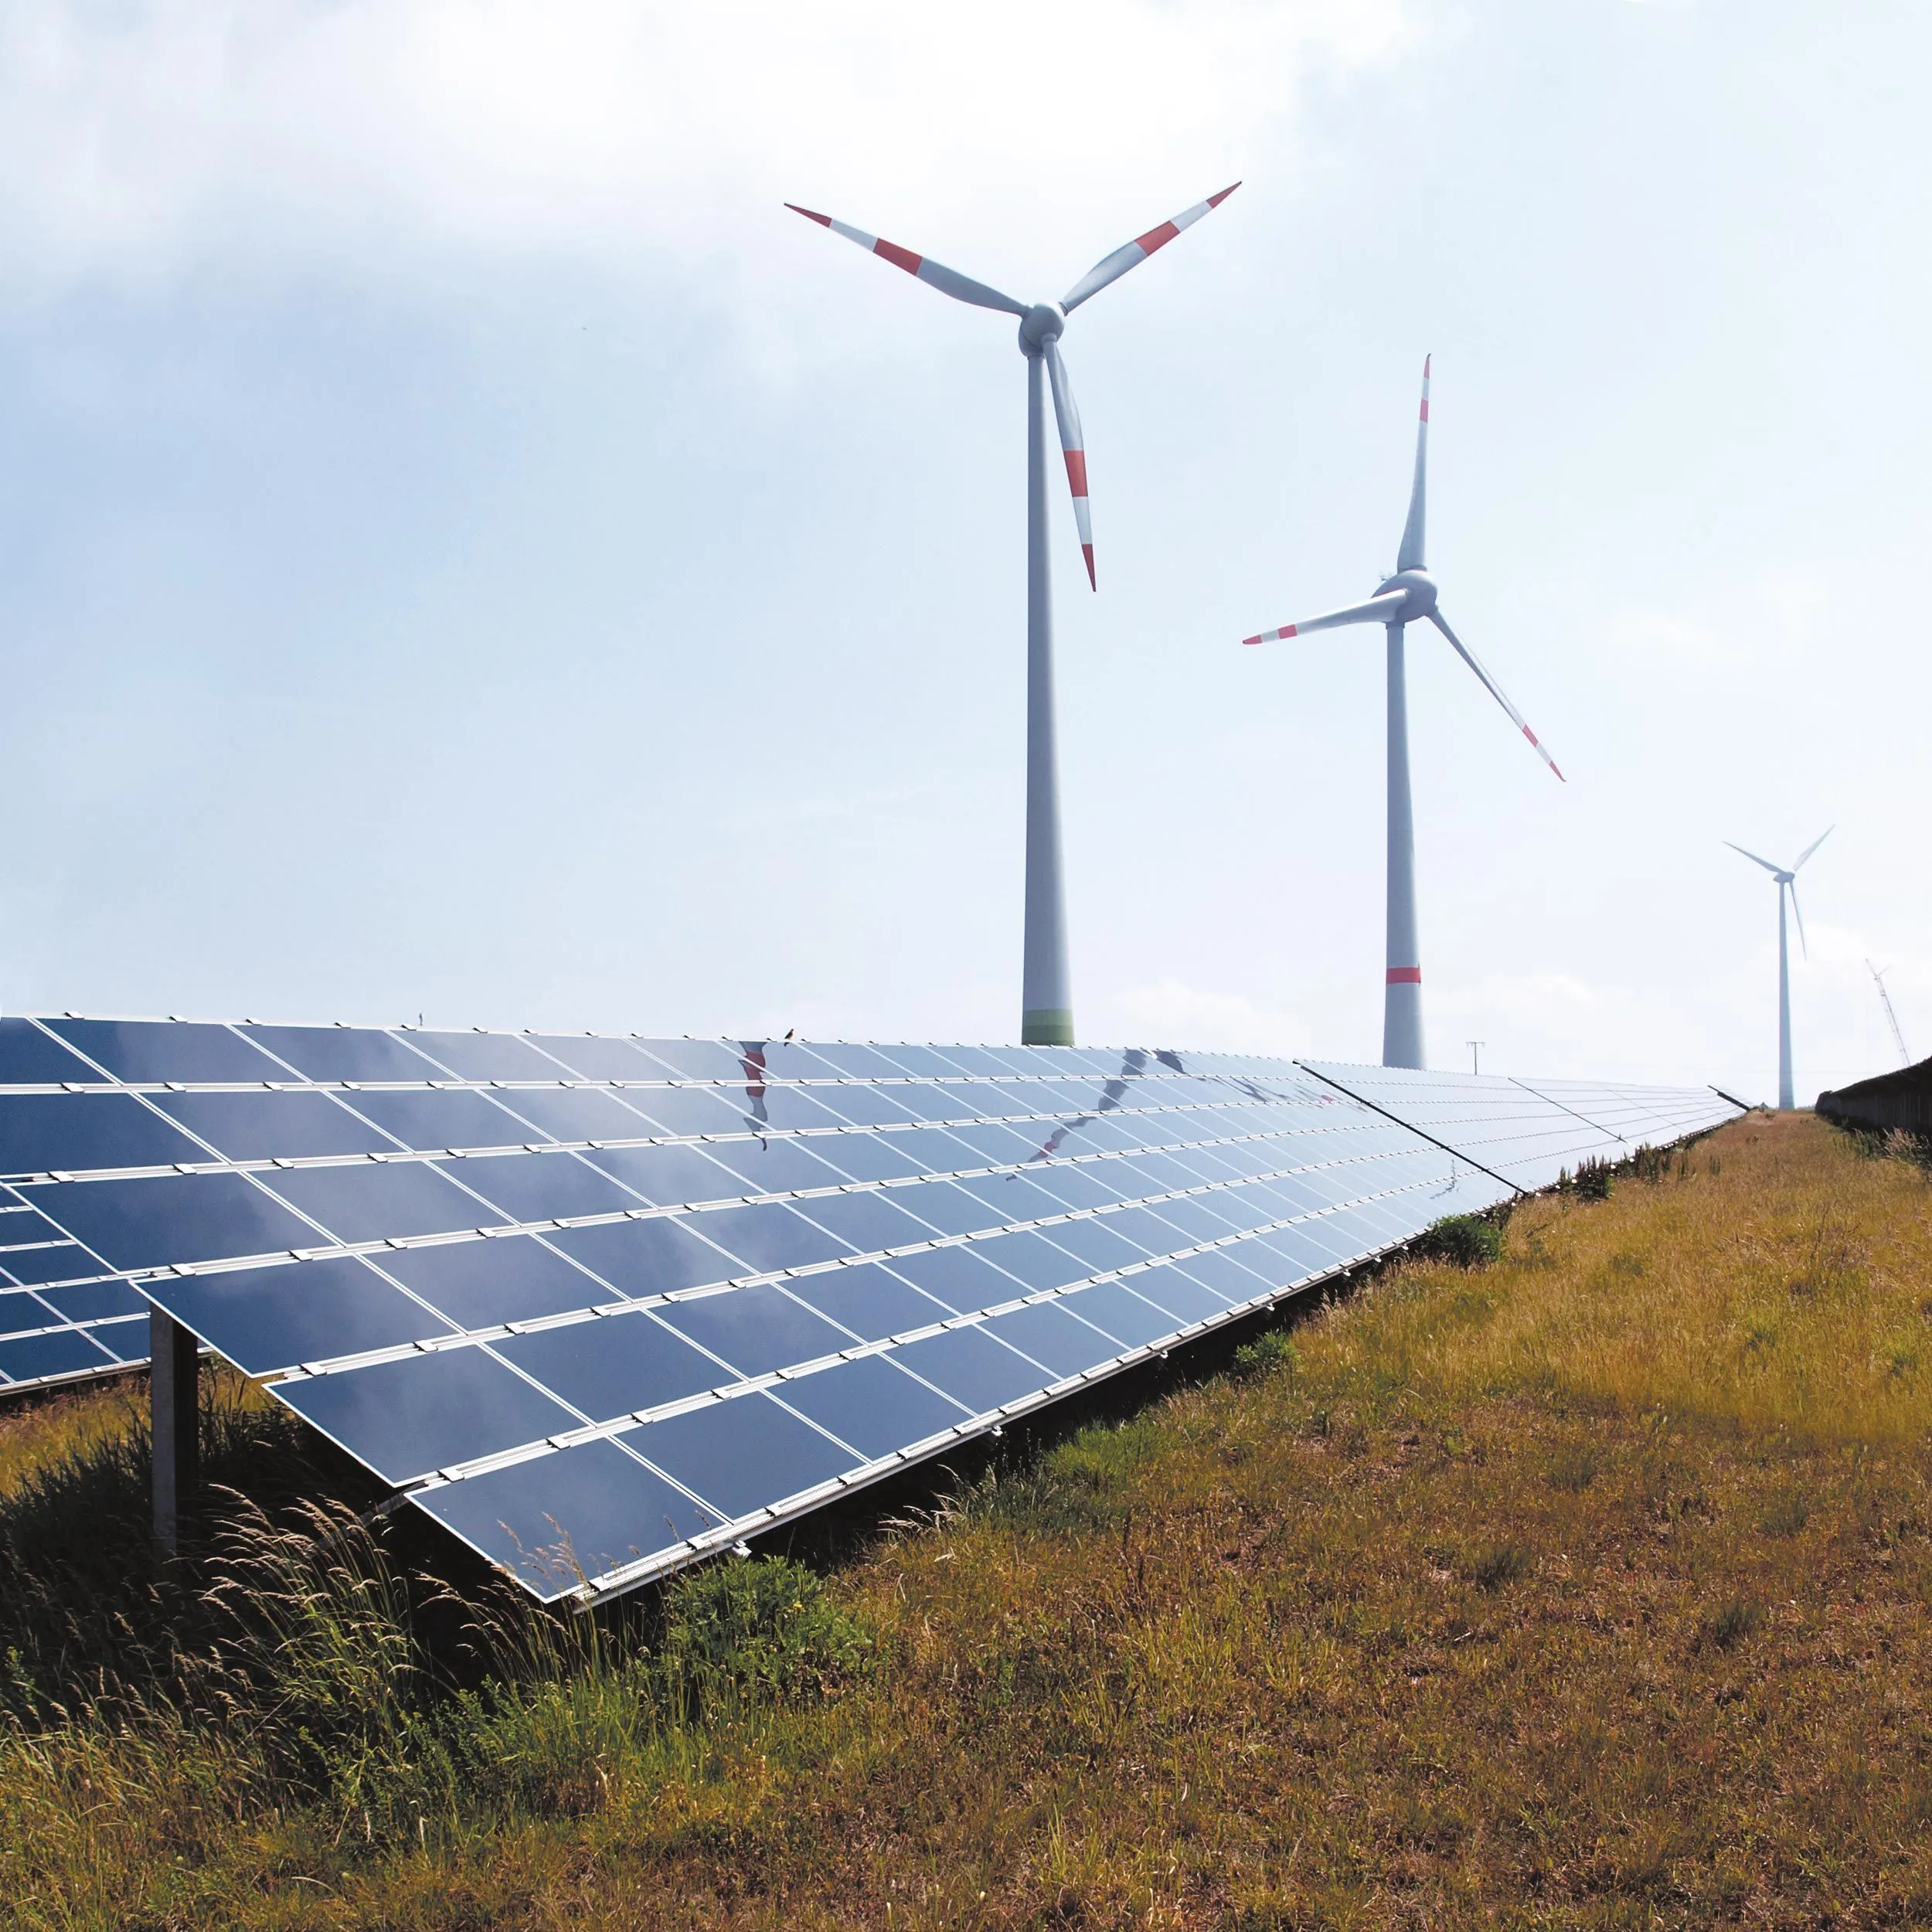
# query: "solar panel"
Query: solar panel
1528,1133
599,1305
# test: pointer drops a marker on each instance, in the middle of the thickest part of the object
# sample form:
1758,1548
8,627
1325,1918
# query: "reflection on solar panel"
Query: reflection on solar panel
601,1304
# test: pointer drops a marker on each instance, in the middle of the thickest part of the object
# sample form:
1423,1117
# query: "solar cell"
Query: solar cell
487,1057
637,1258
30,1057
869,1300
615,1366
1062,1343
50,1133
433,1119
742,1455
343,1053
379,1201
27,1267
871,1403
596,1057
755,1331
980,1374
557,1522
479,1284
672,1176
266,1320
575,1113
407,1418
261,1126
151,1052
543,1186
165,1221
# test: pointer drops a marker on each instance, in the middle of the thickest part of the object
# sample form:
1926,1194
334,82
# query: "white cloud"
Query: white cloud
143,141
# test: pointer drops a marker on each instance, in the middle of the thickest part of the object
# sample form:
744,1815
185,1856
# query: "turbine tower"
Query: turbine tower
1406,598
1787,878
1046,998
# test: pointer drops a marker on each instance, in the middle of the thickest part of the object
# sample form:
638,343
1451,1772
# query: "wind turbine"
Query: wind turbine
1891,1017
1787,878
1406,598
1046,998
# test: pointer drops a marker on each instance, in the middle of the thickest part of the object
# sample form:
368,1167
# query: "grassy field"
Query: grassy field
1589,1588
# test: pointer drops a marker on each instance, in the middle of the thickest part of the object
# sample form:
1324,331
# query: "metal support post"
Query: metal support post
174,1388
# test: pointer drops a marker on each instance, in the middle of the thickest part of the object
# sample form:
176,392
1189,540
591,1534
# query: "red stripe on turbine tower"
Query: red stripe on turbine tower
1405,975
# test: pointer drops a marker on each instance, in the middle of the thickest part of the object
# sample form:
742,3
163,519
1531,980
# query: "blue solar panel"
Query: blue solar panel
600,1304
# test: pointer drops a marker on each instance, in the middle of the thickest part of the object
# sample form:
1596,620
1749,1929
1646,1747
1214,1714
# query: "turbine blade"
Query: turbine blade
1755,860
1494,690
1790,885
1073,448
1112,267
948,281
1376,611
1813,846
1409,556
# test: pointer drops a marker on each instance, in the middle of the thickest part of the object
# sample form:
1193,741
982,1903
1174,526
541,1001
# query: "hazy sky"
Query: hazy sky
464,548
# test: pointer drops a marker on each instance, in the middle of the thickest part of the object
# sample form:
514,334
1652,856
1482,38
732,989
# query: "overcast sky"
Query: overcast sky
465,550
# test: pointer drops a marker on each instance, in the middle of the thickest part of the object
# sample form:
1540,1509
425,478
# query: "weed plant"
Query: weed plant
1587,1587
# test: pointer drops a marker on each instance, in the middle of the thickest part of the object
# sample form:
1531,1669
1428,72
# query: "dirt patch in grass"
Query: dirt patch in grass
1588,1586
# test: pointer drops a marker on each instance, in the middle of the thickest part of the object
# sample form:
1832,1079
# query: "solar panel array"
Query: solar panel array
600,1304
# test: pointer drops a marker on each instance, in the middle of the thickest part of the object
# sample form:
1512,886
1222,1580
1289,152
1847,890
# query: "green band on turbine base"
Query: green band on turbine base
1047,1026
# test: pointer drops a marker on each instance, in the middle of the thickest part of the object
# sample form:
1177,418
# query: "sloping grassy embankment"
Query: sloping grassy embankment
1589,1587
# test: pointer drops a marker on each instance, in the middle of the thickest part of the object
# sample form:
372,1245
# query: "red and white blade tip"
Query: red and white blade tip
1159,237
1271,636
1082,512
890,251
1543,754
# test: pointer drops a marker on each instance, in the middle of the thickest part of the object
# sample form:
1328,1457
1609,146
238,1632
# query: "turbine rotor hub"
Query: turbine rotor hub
1418,590
1042,323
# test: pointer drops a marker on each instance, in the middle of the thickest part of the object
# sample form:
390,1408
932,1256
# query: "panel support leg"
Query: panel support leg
174,1388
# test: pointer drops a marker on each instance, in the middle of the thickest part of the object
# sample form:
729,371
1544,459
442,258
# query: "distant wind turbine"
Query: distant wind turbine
1891,1017
1046,999
1787,878
1404,598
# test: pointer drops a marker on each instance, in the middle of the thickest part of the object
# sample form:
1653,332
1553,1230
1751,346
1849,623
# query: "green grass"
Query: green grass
1585,1585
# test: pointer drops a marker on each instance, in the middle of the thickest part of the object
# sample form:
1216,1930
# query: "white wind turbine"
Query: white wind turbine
1046,998
1406,598
1787,878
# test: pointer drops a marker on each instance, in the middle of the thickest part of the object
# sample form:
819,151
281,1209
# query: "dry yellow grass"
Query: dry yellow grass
1589,1589
38,1431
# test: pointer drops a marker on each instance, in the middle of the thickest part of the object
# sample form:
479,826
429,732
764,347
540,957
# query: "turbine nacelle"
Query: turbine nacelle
1043,323
1417,590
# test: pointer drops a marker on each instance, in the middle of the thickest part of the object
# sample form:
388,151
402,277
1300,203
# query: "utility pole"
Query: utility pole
1475,1054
